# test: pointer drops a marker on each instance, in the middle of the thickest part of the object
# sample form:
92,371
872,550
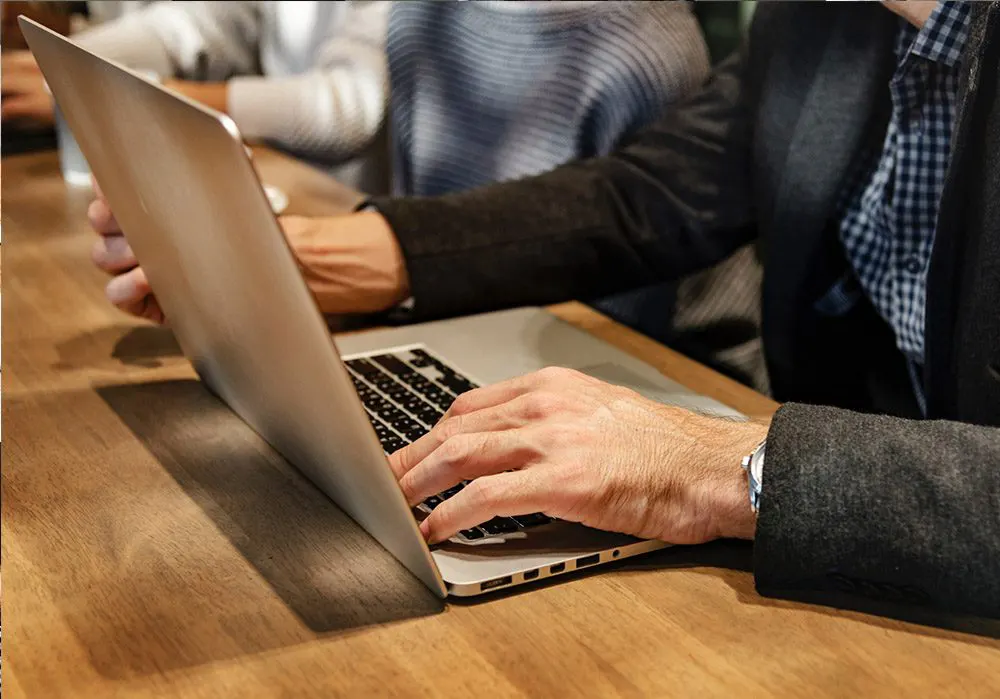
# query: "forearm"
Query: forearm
333,115
213,95
674,201
881,507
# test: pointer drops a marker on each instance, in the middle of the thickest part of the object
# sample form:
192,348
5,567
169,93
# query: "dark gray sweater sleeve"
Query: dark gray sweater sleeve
677,199
881,507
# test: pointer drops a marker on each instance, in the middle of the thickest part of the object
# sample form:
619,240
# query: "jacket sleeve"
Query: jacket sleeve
675,200
880,507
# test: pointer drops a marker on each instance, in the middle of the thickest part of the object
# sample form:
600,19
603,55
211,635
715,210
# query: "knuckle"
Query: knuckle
542,404
462,404
553,373
484,493
449,427
562,374
454,453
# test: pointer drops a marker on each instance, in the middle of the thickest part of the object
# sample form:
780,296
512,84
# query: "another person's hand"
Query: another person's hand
128,289
575,448
23,87
351,263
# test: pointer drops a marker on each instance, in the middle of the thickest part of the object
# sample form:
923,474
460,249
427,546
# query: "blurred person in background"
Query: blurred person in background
491,91
308,77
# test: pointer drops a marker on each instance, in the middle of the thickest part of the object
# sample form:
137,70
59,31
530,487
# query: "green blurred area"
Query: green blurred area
724,23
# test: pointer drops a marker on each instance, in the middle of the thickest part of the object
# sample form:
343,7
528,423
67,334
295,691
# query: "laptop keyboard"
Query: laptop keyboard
405,393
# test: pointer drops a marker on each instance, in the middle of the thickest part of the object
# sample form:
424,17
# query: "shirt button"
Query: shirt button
912,265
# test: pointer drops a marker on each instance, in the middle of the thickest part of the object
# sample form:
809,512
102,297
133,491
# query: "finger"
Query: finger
101,218
128,291
501,495
465,457
501,392
20,82
514,413
18,107
113,254
151,310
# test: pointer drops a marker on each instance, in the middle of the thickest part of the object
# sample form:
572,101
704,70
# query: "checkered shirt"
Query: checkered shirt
889,210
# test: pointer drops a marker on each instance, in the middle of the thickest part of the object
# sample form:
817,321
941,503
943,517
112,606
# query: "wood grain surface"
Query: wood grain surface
154,546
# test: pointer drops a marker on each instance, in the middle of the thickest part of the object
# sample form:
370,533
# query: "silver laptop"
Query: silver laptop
185,192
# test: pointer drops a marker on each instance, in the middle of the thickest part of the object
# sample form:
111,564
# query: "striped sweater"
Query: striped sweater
489,91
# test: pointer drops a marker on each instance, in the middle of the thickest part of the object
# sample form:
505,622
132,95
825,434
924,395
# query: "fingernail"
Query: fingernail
425,531
119,290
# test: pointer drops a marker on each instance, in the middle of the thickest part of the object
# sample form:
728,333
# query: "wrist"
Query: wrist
212,95
353,264
735,518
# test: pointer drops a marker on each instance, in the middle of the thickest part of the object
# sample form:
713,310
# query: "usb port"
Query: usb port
588,560
531,574
495,583
557,568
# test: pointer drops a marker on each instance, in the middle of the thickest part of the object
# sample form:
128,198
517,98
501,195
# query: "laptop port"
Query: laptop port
531,574
495,583
588,560
557,568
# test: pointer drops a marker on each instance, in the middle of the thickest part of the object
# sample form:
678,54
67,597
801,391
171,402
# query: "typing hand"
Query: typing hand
578,449
24,93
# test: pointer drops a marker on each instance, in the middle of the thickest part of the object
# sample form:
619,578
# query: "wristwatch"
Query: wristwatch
753,464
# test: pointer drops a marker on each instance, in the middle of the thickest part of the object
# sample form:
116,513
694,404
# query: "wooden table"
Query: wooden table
153,545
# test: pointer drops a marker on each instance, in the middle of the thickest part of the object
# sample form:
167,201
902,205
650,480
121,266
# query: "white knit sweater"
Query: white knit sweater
309,77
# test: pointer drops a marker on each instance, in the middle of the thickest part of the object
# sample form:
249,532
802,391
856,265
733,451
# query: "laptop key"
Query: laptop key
364,367
472,534
416,433
392,444
451,491
429,415
533,520
432,502
457,384
500,525
405,423
420,358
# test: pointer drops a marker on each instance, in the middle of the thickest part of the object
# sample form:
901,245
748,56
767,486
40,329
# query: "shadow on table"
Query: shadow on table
137,346
331,573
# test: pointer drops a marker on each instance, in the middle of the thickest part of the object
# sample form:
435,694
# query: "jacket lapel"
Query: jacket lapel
961,205
849,83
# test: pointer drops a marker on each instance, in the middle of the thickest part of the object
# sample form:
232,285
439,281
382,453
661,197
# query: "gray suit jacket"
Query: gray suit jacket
856,497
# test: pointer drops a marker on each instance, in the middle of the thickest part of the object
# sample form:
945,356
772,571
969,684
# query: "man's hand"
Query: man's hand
351,263
578,449
23,87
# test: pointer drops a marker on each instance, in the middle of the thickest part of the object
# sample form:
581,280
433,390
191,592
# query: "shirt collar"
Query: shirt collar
941,39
